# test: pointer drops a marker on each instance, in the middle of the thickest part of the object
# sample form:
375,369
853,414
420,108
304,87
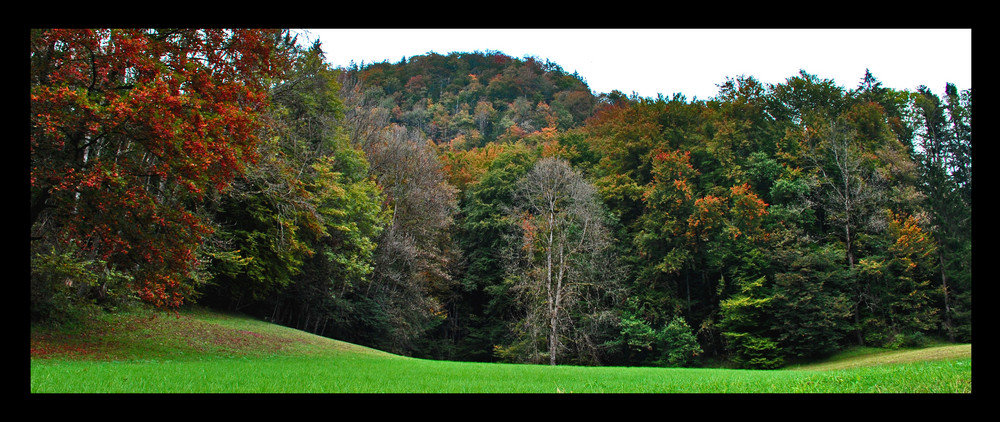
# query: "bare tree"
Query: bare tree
365,115
562,255
853,187
854,190
414,252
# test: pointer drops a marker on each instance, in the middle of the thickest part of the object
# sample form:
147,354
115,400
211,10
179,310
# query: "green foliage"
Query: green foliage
679,345
483,233
268,246
351,208
742,311
812,308
65,288
754,352
636,332
898,286
674,344
806,95
748,340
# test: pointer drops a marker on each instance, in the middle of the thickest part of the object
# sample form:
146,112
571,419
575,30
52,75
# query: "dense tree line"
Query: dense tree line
480,207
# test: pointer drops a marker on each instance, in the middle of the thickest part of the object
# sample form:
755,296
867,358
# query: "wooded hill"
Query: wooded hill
475,206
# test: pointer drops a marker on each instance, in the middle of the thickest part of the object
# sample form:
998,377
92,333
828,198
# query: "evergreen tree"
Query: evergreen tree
812,307
942,150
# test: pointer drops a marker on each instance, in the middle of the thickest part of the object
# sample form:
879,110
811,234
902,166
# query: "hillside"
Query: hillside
193,333
197,332
477,98
867,357
202,351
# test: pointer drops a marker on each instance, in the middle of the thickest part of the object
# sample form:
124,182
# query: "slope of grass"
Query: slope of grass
867,356
204,352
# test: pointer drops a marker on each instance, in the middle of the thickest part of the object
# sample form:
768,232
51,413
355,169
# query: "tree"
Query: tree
332,281
958,105
669,200
415,251
482,232
414,260
902,301
562,253
750,341
298,228
804,96
850,183
811,306
850,189
893,103
942,150
680,346
131,129
484,115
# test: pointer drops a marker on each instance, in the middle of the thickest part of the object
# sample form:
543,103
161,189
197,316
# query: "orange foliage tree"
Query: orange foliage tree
131,129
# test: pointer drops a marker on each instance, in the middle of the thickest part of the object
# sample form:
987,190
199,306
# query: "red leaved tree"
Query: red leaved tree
130,129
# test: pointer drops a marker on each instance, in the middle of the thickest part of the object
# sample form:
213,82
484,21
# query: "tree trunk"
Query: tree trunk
857,303
553,340
947,306
552,292
557,304
38,204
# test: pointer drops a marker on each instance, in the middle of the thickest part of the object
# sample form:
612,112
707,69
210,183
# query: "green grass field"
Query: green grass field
204,352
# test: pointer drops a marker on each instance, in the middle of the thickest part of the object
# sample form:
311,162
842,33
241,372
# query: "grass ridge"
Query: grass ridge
200,351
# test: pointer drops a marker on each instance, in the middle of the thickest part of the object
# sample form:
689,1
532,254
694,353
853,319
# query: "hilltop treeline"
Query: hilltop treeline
475,206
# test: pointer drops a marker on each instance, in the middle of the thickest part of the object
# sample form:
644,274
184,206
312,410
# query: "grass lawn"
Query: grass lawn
204,352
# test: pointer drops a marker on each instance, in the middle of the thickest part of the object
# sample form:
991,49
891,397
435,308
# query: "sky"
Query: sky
693,62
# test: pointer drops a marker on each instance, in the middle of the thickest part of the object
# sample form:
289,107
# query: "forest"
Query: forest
480,207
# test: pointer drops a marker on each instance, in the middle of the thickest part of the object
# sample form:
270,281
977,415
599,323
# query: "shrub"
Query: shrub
680,346
64,286
754,352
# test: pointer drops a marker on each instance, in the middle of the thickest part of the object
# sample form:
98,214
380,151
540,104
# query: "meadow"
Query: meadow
198,351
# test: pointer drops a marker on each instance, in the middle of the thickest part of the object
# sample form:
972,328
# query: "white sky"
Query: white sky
689,61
